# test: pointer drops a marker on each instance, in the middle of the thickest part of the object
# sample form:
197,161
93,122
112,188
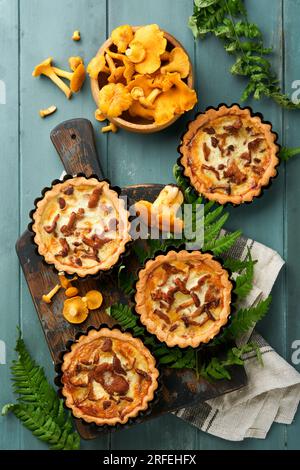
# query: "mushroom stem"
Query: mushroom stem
47,111
111,63
111,127
48,297
62,73
64,281
137,92
76,78
45,68
148,102
58,82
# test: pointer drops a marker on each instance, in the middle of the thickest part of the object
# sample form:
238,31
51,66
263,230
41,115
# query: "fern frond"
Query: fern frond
287,153
126,280
38,406
237,265
228,21
247,318
211,216
45,428
222,244
218,369
173,357
244,282
212,231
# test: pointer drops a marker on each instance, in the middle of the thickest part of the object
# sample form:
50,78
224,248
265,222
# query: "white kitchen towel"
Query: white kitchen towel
272,393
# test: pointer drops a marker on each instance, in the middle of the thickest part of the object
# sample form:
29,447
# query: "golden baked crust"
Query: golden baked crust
183,297
81,226
108,377
229,155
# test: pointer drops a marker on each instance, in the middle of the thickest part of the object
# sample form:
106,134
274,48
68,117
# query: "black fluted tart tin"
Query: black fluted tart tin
105,428
253,114
67,177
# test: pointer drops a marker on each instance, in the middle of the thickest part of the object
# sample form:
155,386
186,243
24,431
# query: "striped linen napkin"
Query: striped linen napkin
273,391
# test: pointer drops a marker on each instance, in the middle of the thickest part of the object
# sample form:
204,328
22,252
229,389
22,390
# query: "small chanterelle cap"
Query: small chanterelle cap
74,62
76,36
75,310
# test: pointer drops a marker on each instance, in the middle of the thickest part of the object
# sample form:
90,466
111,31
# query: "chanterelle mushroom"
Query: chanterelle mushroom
122,36
97,65
162,213
74,62
76,78
48,111
45,68
48,297
114,99
64,281
178,62
111,127
99,116
154,44
76,36
178,99
136,52
93,299
75,310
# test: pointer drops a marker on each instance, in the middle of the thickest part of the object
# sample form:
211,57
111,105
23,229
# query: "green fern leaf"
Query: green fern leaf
38,406
213,231
211,216
228,21
287,153
247,318
219,369
124,315
244,282
222,244
237,265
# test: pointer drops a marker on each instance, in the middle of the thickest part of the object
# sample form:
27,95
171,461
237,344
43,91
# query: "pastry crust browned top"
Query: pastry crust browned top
229,155
183,297
81,226
108,377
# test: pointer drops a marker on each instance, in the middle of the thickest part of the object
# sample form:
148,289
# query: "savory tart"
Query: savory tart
229,155
108,377
81,226
183,297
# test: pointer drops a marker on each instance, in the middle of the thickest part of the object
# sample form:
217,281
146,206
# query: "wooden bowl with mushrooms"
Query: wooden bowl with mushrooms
152,108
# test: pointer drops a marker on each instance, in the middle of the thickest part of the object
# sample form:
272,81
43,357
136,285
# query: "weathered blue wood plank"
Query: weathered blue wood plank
263,219
9,209
134,158
46,30
291,210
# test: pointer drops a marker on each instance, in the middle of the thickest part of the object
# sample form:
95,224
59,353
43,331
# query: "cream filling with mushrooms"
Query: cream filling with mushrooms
186,299
78,234
108,376
232,154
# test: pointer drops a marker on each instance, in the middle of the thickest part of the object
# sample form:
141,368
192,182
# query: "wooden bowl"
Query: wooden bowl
127,122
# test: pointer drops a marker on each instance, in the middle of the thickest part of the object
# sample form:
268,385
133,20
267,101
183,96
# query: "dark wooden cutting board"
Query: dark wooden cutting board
74,142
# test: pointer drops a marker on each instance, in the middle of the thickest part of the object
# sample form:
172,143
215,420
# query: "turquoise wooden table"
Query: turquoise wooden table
31,30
